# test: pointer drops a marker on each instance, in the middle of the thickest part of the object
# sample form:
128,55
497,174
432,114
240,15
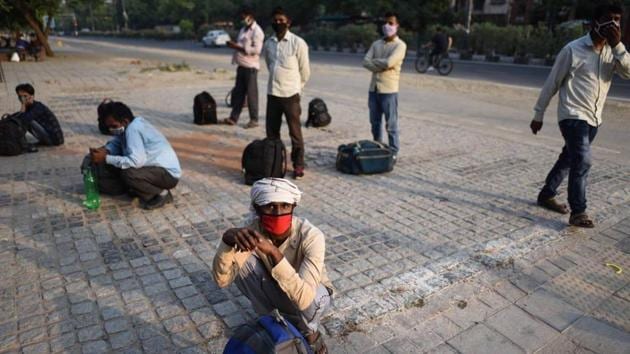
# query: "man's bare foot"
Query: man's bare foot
316,341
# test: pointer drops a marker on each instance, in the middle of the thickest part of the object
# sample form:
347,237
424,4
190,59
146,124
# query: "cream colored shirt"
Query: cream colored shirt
583,77
298,274
384,60
288,65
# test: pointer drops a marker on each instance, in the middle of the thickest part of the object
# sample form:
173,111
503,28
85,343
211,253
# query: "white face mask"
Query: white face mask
117,131
599,26
389,30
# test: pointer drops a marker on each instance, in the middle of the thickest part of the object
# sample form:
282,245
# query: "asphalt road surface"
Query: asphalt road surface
520,75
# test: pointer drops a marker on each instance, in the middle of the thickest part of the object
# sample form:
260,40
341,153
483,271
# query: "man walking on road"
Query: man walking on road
384,60
247,56
582,73
286,56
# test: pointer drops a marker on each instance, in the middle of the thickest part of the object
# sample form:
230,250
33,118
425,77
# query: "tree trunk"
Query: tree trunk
37,27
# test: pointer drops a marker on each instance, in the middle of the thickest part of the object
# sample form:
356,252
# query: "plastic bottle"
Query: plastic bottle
92,198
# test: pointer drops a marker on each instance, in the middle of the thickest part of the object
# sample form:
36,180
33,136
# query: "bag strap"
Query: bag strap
378,143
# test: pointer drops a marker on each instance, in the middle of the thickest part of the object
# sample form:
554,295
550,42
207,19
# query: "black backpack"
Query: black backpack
204,109
318,115
100,111
264,158
12,135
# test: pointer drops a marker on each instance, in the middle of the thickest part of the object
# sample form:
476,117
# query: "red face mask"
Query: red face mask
276,224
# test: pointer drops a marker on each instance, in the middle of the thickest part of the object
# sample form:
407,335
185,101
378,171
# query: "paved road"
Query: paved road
530,76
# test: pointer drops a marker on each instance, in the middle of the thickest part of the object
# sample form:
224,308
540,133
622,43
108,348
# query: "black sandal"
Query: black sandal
581,220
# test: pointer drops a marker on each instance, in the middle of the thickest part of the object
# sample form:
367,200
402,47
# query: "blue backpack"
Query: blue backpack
268,335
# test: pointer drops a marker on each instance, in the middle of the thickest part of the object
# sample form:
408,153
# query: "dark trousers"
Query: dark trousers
42,136
246,86
145,182
290,107
574,161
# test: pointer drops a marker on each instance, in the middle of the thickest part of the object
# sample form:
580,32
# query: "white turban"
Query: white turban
275,190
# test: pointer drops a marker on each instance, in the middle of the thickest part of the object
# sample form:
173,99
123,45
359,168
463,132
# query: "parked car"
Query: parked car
216,38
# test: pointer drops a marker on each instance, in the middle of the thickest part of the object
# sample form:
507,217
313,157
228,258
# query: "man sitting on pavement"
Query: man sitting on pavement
582,72
277,261
139,159
38,119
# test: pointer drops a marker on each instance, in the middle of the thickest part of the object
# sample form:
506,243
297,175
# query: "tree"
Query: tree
21,13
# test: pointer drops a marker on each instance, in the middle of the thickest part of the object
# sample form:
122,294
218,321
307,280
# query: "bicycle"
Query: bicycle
442,63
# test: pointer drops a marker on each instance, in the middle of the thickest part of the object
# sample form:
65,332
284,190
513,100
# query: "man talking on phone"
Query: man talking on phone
139,160
582,73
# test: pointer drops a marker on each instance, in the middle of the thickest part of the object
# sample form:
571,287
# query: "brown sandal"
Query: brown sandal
228,121
581,220
318,346
553,205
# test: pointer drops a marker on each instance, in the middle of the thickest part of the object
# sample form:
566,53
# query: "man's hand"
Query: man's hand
266,247
244,239
98,155
613,35
234,45
535,126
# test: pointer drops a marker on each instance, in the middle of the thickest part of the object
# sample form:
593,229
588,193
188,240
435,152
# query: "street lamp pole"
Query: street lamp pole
469,16
124,13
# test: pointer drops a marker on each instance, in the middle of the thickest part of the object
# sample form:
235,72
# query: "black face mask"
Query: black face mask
279,28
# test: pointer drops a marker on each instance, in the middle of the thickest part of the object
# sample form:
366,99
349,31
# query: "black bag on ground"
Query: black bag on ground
204,109
365,157
100,111
318,115
264,158
12,135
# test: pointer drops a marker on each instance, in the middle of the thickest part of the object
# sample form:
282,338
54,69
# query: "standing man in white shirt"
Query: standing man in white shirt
582,73
384,59
247,56
286,56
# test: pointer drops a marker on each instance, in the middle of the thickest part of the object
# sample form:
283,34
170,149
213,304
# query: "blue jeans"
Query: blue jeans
385,103
575,161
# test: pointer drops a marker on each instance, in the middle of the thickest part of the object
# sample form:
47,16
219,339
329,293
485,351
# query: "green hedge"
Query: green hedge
354,37
535,41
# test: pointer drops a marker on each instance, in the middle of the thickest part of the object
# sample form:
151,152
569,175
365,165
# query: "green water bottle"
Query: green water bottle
92,199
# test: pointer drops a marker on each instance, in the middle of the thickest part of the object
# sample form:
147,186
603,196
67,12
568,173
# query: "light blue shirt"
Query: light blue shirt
142,145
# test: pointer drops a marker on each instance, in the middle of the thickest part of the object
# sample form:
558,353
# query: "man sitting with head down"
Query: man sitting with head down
277,261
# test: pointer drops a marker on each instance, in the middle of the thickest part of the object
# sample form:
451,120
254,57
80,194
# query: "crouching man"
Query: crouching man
139,160
278,260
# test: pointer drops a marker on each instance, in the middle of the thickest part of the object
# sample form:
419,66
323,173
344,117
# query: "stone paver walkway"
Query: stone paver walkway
446,253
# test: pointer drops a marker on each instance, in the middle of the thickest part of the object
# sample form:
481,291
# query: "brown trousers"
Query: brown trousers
290,107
